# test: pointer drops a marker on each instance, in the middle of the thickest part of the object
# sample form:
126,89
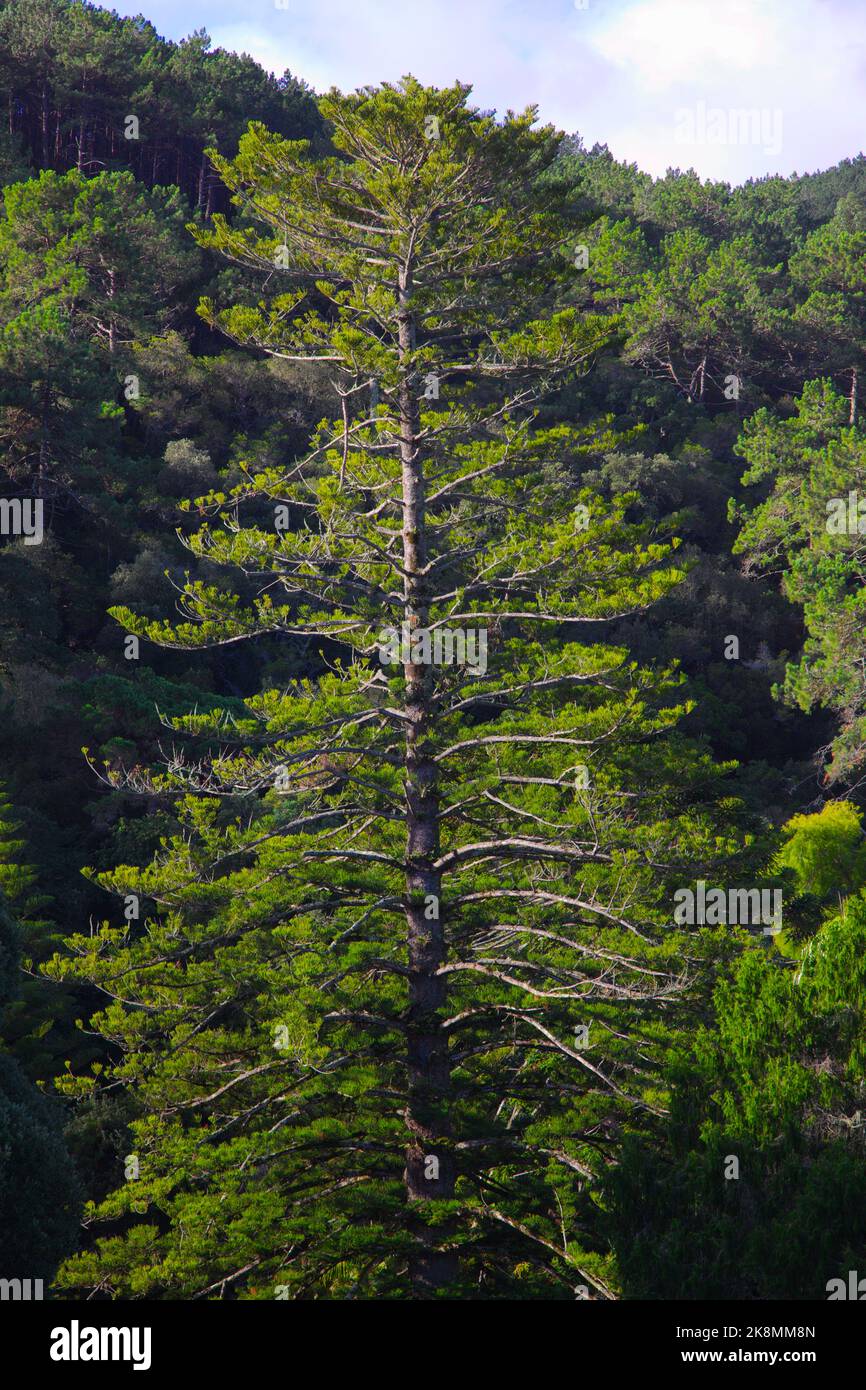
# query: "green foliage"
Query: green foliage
811,463
778,1082
827,851
76,70
297,906
395,898
39,1192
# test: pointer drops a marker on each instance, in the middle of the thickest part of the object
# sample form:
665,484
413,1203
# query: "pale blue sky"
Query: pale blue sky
663,82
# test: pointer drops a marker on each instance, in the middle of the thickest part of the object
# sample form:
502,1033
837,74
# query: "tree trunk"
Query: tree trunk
41,466
199,201
429,1170
43,127
112,322
852,398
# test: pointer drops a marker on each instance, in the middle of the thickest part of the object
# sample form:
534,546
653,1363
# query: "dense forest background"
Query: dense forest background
724,397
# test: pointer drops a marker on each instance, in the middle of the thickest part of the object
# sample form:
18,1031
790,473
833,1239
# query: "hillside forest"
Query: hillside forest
433,690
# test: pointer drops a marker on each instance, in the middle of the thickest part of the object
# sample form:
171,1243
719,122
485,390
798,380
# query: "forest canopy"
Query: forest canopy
430,553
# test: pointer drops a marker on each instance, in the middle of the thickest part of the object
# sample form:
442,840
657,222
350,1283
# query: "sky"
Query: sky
735,89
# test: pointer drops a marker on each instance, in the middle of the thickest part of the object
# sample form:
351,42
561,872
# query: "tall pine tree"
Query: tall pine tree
404,976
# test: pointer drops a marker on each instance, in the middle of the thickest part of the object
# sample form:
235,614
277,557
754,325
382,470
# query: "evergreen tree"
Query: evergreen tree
812,465
686,283
39,1191
776,1081
409,969
828,274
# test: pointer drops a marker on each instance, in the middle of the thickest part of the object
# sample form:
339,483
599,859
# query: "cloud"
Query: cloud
663,42
797,63
617,71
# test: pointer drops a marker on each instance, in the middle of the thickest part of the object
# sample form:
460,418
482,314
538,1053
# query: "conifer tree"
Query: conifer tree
774,1079
812,465
39,1190
404,975
17,879
38,1006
